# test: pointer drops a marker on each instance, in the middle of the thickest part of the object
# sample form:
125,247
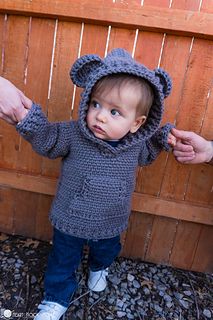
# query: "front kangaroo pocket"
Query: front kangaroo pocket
100,197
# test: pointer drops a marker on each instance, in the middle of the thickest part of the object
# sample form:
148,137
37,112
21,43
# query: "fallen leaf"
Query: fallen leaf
147,283
6,248
30,242
3,237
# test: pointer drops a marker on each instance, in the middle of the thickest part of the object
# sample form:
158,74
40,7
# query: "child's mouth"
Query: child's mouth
98,129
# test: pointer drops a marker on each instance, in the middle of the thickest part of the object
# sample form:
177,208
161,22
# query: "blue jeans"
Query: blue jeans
60,281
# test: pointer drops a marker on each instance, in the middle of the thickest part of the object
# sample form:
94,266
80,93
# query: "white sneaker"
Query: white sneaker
50,311
97,280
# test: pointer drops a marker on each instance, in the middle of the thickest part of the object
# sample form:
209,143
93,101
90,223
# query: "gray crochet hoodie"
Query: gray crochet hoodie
96,181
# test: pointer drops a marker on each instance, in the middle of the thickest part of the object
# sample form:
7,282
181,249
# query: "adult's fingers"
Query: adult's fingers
8,119
181,134
181,154
25,100
183,147
185,159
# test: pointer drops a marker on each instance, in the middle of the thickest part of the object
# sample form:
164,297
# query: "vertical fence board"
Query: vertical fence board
198,81
157,3
138,235
207,6
66,52
121,38
16,31
175,49
60,102
203,259
193,108
207,128
148,51
37,81
24,212
6,209
161,240
148,48
186,4
43,228
2,17
182,255
200,186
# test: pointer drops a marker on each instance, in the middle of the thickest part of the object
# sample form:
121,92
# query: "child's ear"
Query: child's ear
139,121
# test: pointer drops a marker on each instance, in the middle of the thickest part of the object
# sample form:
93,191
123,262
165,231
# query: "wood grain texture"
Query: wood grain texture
138,235
13,69
185,245
151,18
59,103
203,258
161,240
6,209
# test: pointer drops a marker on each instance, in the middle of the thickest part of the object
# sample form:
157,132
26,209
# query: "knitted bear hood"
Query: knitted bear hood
88,69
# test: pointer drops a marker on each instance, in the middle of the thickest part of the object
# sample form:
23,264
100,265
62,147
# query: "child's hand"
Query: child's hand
171,140
12,109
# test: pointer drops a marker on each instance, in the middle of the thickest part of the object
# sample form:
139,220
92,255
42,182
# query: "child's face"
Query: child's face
112,114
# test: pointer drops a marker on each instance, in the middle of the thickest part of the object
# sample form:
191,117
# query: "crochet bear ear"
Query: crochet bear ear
83,67
165,81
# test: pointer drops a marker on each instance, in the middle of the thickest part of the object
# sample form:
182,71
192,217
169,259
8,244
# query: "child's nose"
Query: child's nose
101,116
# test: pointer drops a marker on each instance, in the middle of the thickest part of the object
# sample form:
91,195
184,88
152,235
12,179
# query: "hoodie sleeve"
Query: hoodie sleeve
51,140
153,146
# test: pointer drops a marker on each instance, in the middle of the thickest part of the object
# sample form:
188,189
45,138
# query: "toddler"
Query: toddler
118,129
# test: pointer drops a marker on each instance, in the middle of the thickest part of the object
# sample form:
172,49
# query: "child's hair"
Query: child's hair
146,97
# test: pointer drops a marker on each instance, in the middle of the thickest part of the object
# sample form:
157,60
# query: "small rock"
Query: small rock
119,303
187,293
161,287
161,293
111,300
121,314
80,313
167,298
115,280
169,304
146,291
184,303
157,308
130,277
178,295
33,280
136,284
207,313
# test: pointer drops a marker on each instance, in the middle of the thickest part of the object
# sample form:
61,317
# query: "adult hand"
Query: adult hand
12,109
191,148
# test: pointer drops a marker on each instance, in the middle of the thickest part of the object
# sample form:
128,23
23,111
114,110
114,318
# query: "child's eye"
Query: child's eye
115,112
95,104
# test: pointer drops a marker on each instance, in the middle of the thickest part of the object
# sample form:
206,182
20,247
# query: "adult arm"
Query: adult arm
192,148
48,139
12,109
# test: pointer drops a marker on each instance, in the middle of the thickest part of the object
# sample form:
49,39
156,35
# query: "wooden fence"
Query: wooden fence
172,216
